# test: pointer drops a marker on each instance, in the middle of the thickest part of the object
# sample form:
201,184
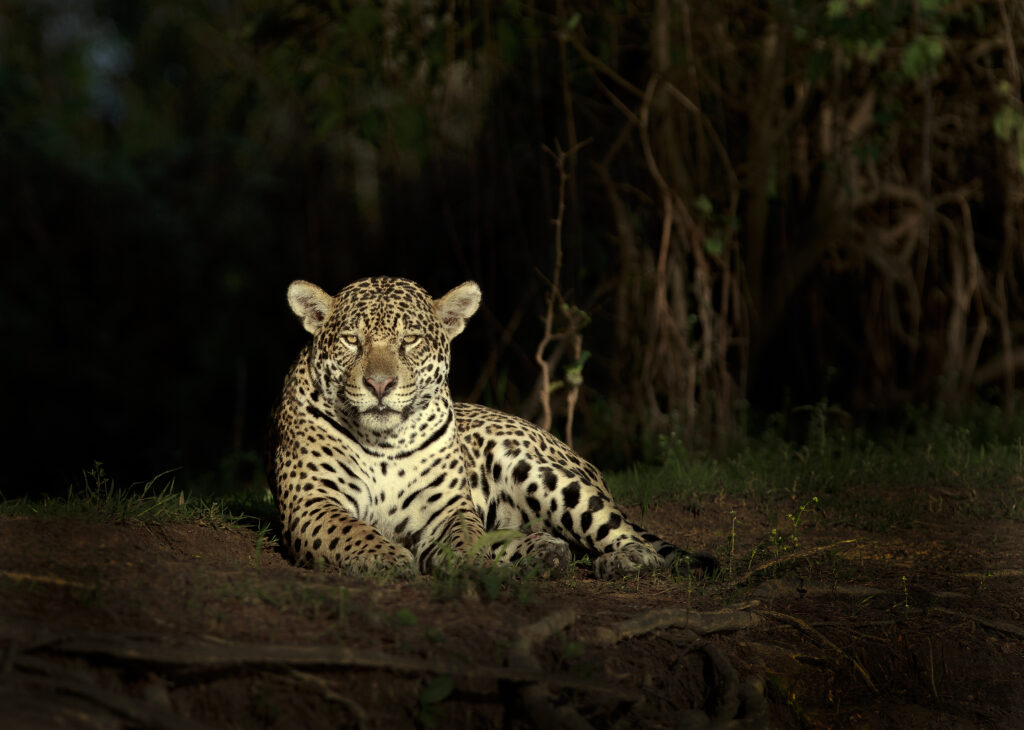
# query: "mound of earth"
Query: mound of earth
195,625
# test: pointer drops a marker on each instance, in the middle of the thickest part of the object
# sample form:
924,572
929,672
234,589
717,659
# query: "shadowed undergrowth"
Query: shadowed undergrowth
931,460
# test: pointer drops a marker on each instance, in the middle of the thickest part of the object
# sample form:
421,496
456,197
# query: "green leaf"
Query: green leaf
493,538
870,51
574,372
405,617
703,205
931,7
714,245
492,582
921,56
437,689
573,650
1004,122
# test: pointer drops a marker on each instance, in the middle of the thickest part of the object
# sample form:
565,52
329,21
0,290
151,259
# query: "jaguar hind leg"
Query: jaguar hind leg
633,557
626,561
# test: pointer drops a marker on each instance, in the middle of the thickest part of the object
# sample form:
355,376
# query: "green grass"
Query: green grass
157,501
891,477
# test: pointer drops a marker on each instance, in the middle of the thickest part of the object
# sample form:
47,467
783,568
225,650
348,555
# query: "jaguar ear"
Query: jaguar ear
310,303
457,306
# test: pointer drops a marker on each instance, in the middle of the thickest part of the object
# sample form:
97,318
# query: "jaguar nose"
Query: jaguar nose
380,386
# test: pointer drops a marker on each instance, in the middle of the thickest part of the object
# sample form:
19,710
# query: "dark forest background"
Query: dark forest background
766,206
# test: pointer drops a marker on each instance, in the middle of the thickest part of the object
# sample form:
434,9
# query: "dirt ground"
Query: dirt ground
192,626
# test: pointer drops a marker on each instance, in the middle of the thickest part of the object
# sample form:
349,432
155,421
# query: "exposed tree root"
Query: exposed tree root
49,690
228,657
795,588
818,636
536,696
1003,573
727,695
698,622
789,588
51,579
307,679
1004,626
787,558
38,678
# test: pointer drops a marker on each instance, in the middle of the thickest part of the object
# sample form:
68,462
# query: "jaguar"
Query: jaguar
373,466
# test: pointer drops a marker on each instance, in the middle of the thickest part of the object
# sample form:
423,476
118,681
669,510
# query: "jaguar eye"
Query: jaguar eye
411,339
351,339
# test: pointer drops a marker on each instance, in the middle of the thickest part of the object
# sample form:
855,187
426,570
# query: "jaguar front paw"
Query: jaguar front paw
396,562
539,549
547,551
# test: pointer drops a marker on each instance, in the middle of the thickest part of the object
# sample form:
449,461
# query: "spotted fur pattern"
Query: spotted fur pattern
372,465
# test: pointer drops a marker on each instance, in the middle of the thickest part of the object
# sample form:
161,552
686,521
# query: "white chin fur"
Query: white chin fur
381,420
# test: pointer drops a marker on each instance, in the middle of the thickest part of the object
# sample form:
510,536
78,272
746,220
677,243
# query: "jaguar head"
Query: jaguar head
382,347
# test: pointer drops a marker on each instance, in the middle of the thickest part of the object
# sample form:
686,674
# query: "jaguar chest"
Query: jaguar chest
398,492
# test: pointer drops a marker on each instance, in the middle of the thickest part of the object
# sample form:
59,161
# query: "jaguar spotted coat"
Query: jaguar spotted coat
372,465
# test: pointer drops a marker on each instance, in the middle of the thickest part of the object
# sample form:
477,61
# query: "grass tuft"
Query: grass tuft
889,477
98,499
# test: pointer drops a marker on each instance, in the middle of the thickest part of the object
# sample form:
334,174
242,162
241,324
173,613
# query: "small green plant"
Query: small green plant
264,538
323,603
571,653
983,580
495,537
434,692
794,519
783,543
732,544
1008,123
776,541
777,687
571,578
492,582
645,496
405,617
778,545
457,576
